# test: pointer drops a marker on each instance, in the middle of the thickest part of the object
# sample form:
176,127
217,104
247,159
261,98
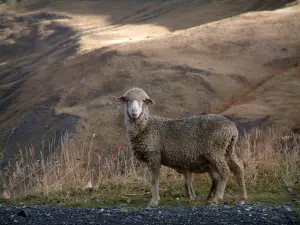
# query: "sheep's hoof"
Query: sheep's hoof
153,203
213,202
209,203
241,202
191,199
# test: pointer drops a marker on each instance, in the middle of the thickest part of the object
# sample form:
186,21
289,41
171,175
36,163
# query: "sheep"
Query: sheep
196,144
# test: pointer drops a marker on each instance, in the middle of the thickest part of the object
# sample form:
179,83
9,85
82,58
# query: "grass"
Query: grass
272,172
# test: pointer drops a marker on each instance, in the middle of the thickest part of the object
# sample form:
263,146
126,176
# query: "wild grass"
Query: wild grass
72,173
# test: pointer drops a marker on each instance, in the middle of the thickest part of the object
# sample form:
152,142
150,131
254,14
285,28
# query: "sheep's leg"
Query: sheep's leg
238,171
155,186
223,172
188,186
192,190
214,180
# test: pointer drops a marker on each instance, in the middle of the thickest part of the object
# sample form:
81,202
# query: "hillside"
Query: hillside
62,66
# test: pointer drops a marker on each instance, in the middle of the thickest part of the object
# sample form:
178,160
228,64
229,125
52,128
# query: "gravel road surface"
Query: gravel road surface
247,214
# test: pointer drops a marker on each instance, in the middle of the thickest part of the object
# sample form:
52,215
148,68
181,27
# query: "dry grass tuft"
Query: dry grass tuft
270,158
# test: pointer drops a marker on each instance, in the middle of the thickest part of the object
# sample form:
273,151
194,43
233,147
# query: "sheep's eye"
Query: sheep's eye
148,101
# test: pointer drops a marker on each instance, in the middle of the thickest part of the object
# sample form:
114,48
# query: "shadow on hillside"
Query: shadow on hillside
174,15
25,44
244,126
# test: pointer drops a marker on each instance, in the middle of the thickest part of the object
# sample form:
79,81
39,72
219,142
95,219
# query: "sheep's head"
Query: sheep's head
135,100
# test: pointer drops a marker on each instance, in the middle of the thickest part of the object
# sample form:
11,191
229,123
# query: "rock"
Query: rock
22,213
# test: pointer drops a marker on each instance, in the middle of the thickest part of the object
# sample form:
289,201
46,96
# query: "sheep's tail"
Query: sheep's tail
231,146
231,149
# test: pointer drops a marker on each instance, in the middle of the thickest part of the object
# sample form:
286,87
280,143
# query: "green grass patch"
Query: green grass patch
137,195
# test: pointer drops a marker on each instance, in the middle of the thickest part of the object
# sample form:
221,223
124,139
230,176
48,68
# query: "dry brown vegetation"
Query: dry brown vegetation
271,160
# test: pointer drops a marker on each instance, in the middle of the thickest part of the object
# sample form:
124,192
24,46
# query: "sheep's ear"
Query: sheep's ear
122,99
149,101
